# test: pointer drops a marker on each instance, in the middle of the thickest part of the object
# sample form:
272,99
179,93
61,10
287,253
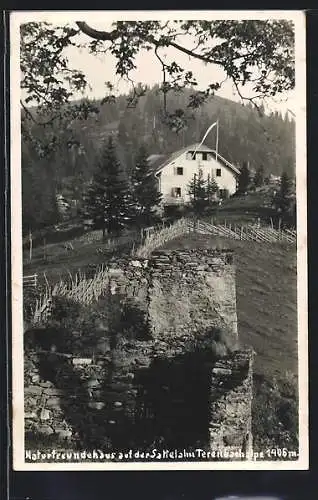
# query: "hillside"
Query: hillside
266,283
61,159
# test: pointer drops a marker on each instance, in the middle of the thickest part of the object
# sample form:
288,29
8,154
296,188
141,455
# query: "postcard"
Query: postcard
159,240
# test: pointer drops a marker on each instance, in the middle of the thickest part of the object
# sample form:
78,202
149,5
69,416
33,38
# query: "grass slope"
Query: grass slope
266,298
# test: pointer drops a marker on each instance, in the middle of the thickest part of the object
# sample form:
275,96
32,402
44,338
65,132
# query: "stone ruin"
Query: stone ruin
180,386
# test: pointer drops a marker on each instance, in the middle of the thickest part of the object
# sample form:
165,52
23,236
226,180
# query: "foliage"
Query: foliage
145,190
212,189
244,179
252,53
275,412
197,191
257,55
107,201
284,199
49,83
39,206
259,177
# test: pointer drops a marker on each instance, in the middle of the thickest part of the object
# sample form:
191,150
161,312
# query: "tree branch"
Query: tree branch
97,34
30,115
112,35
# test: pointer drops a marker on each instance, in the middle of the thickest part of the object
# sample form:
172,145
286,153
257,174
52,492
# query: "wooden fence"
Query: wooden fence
87,290
248,232
30,281
155,238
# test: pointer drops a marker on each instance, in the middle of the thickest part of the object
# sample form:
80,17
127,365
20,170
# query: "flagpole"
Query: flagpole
204,137
217,140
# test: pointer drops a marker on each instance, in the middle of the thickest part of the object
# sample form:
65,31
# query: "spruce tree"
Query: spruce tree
108,200
197,191
284,199
259,177
244,179
212,189
145,191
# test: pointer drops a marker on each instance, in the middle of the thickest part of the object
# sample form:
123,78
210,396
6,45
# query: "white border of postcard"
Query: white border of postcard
16,18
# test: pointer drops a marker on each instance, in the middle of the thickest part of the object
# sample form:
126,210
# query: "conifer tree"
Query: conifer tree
212,189
145,191
197,191
284,200
259,177
244,179
108,201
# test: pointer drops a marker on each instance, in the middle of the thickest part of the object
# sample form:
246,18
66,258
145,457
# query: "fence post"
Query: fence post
30,242
241,234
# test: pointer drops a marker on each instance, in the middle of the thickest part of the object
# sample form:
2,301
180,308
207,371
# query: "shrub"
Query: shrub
275,412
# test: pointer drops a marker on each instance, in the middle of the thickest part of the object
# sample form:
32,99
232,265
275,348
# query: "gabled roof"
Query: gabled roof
160,161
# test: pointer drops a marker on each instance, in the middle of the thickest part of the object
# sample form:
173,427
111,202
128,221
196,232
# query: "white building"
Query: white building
175,172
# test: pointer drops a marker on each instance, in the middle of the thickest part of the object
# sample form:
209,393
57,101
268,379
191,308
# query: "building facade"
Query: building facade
176,171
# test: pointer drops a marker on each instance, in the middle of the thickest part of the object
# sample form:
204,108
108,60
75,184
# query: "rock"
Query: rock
115,271
30,415
96,405
35,378
136,263
30,402
53,391
92,383
46,384
45,414
222,371
82,361
45,429
64,433
33,389
53,402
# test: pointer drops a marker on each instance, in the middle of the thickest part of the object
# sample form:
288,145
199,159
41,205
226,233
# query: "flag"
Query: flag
205,135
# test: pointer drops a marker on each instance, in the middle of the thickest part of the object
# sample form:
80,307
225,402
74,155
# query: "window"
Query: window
218,172
190,155
179,170
176,192
204,156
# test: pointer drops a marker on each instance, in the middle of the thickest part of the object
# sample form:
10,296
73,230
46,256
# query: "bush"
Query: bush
275,412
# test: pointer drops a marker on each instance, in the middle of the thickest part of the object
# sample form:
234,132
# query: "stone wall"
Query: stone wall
149,400
170,389
192,290
231,397
188,290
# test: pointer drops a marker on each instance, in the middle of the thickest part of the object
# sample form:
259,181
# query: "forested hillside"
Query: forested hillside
62,159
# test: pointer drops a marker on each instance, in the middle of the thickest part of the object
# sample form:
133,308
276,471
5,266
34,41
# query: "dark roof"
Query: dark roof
155,162
158,161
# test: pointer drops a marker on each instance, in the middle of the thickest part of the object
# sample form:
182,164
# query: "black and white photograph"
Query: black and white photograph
159,240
